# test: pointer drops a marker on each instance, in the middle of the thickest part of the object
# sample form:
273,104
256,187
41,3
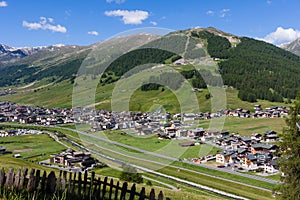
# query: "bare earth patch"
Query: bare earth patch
21,150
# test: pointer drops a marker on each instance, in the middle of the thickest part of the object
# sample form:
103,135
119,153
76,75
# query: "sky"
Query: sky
49,22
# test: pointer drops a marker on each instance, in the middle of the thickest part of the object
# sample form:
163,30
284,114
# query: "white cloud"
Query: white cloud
153,23
51,20
224,12
210,12
282,35
3,4
129,17
45,24
269,2
95,33
116,1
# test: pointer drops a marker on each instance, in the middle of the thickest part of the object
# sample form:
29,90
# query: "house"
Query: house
198,132
189,117
226,157
17,155
257,107
72,158
170,131
263,148
249,161
224,133
271,167
270,136
2,150
256,137
245,140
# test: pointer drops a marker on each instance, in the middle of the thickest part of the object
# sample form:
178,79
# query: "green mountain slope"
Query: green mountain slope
257,70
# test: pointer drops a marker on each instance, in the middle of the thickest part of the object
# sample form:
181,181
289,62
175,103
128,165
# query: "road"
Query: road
162,183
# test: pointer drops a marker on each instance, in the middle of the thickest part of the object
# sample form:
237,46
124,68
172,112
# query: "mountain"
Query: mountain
293,47
203,56
10,55
259,70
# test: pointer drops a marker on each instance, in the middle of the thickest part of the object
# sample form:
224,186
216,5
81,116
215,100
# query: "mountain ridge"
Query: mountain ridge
293,46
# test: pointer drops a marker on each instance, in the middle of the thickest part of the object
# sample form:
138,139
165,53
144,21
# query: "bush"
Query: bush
130,174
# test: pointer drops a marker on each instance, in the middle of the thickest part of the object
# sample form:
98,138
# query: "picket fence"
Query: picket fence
72,185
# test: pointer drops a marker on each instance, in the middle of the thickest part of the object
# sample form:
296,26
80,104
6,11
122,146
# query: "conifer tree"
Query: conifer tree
289,162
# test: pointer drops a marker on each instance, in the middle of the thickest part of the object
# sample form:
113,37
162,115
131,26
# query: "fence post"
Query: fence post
2,177
92,186
43,183
9,179
31,183
84,184
152,195
63,181
37,178
71,183
117,190
104,188
160,196
98,188
17,179
23,179
58,181
111,185
143,194
79,184
132,192
51,183
124,191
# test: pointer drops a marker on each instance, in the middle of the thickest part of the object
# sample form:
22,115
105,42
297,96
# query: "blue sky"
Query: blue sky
49,22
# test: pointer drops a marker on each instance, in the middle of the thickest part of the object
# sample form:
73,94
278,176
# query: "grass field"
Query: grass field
246,126
152,143
31,147
185,192
139,100
16,163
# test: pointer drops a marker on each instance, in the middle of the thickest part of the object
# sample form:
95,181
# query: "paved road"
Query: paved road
162,183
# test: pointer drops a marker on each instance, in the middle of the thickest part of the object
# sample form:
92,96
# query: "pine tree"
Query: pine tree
289,162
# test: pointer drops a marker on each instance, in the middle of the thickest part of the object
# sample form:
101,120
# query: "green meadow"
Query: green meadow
31,147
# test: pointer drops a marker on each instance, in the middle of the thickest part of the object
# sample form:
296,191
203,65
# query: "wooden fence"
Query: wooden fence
71,186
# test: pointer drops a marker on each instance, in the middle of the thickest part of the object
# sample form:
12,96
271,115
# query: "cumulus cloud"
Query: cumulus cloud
3,4
210,13
116,1
129,17
153,23
282,35
45,24
224,12
95,33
